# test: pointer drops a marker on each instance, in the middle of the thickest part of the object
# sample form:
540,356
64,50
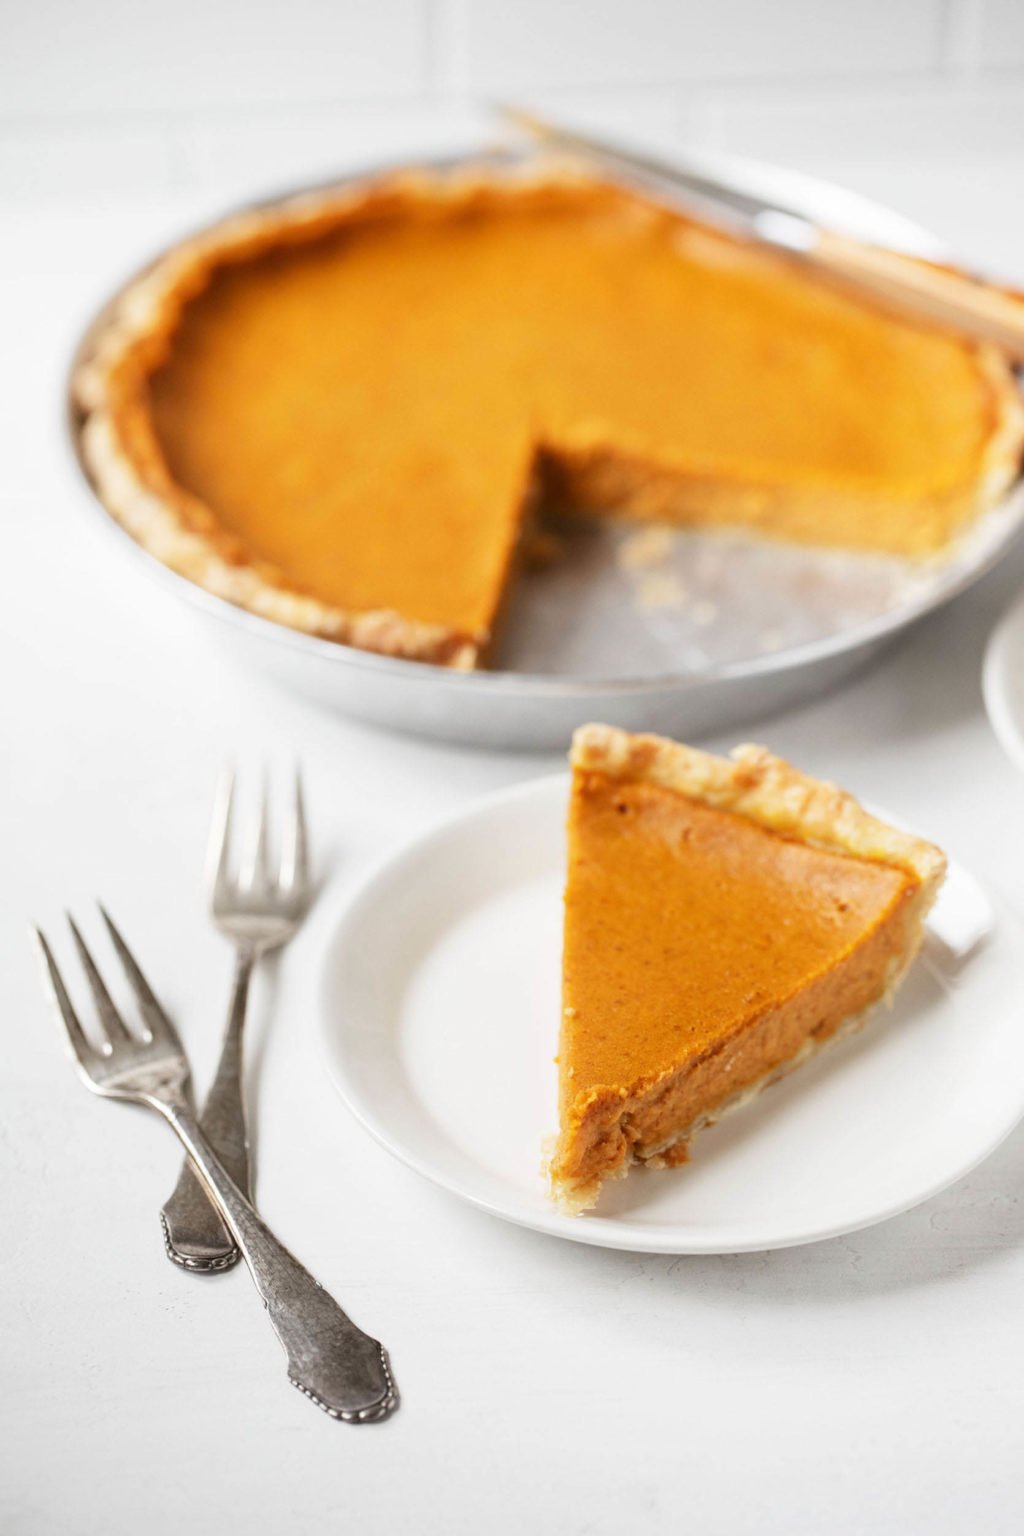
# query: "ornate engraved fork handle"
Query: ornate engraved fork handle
336,1364
194,1233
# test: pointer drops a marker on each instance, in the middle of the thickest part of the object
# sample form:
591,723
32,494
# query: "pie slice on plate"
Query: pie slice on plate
724,918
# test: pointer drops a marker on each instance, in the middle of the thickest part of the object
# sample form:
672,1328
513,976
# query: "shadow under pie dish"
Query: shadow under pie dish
349,411
724,919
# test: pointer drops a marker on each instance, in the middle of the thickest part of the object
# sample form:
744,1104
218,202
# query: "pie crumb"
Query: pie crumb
647,547
661,589
704,613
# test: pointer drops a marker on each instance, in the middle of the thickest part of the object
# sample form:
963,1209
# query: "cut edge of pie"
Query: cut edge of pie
597,1140
123,458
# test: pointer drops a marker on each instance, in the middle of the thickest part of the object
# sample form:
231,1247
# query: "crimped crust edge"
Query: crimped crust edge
752,782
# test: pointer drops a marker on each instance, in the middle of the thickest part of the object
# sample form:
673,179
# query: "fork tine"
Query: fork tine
219,848
294,874
255,872
72,1028
154,1017
111,1020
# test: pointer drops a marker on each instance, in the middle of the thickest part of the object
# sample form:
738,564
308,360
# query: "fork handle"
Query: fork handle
341,1368
194,1234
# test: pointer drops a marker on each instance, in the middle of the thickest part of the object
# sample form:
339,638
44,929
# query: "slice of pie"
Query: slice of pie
345,410
723,919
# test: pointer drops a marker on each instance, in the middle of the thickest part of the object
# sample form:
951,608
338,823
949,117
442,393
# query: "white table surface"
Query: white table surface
871,1383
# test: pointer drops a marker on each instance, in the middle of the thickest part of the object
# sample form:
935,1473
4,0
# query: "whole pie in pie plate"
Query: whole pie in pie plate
482,448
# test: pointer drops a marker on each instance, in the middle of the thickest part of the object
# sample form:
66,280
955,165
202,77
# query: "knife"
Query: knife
960,301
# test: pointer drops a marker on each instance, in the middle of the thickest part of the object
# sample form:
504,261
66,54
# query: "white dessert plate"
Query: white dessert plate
440,1020
1003,682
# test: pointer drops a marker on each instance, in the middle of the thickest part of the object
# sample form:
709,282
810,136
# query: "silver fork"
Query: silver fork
258,912
342,1369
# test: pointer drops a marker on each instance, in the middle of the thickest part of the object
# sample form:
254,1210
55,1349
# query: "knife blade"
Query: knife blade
947,296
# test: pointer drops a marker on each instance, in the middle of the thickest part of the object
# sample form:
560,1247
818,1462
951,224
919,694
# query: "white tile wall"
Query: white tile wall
1000,43
533,44
109,98
109,57
950,120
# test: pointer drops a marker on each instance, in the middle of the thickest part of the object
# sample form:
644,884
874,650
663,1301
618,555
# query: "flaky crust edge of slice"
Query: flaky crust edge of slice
752,782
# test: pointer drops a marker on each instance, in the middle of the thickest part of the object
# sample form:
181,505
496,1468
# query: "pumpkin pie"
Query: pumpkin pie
345,411
724,919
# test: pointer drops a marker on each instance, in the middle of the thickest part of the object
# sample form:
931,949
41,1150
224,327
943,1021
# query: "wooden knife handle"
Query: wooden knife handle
950,298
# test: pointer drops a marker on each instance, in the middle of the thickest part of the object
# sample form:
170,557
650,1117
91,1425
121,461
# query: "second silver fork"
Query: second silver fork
258,911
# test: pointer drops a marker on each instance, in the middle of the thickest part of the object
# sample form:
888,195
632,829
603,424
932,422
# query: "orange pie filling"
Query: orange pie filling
705,954
342,414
